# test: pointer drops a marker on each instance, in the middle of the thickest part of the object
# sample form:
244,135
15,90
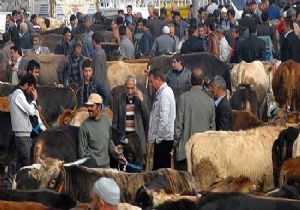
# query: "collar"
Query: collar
287,33
161,88
197,87
178,71
217,102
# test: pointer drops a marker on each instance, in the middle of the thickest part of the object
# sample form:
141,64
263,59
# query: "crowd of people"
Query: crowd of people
181,105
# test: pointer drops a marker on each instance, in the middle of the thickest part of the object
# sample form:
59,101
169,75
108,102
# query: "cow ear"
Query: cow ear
41,161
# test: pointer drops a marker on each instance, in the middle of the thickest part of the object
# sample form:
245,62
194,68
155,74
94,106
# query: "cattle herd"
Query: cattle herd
254,166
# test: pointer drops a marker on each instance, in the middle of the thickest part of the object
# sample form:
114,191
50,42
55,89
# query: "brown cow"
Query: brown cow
290,173
118,71
286,85
243,120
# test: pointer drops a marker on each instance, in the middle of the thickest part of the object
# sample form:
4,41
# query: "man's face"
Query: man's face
67,37
253,7
154,82
88,73
35,73
213,89
114,26
201,32
36,42
88,23
77,50
130,88
14,55
94,111
28,88
177,19
172,31
176,64
234,34
139,26
129,10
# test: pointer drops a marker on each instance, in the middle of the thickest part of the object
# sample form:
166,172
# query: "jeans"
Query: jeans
23,145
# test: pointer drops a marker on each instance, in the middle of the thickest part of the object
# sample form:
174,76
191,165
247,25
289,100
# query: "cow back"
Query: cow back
208,63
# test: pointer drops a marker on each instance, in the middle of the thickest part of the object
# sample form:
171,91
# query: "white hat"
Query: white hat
94,98
108,190
166,30
224,10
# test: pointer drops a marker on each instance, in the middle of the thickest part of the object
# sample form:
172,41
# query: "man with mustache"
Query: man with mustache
95,139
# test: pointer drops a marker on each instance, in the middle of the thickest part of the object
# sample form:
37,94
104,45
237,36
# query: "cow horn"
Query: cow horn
62,108
39,160
61,164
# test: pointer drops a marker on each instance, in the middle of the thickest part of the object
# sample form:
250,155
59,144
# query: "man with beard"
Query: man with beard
95,137
131,113
37,48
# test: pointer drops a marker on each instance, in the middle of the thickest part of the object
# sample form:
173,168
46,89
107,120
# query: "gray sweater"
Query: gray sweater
95,141
20,110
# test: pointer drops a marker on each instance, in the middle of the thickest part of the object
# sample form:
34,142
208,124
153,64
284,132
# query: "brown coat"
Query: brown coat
6,53
213,46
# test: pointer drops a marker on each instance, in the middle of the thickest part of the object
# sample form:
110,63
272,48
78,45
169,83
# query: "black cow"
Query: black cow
244,98
208,63
51,99
282,150
45,197
286,191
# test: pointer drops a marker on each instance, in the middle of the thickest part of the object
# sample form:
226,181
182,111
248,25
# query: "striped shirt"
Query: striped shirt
129,118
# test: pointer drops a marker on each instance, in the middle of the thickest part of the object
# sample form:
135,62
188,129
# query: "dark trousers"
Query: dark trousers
23,145
162,156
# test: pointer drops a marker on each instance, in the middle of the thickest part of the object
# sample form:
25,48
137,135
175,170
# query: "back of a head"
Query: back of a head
219,82
97,37
192,30
29,79
119,20
197,77
107,190
33,64
79,17
158,74
264,16
252,27
72,17
122,30
6,37
163,11
145,23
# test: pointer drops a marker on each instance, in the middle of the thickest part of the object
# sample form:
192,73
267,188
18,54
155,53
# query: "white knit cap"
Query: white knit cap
108,190
166,30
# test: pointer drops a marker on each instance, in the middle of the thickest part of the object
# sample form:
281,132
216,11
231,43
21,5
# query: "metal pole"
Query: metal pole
196,6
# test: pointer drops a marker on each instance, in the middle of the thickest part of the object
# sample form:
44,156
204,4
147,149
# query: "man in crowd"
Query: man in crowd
127,50
129,18
178,79
32,67
25,37
13,31
252,48
105,194
173,35
235,45
6,49
179,24
99,60
37,45
63,47
20,110
95,138
156,24
90,85
193,44
192,106
291,43
213,43
131,113
223,109
164,44
13,65
69,71
202,35
162,118
146,42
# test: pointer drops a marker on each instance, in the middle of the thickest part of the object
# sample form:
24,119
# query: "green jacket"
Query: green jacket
95,141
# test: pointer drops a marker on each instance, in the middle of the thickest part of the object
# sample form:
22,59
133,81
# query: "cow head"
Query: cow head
48,175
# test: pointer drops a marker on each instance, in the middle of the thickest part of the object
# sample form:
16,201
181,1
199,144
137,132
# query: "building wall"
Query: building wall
10,5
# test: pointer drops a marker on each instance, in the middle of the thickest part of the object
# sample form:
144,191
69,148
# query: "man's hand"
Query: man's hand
34,94
122,159
139,94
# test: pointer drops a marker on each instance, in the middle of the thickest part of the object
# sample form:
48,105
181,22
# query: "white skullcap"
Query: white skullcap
166,30
224,10
108,190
